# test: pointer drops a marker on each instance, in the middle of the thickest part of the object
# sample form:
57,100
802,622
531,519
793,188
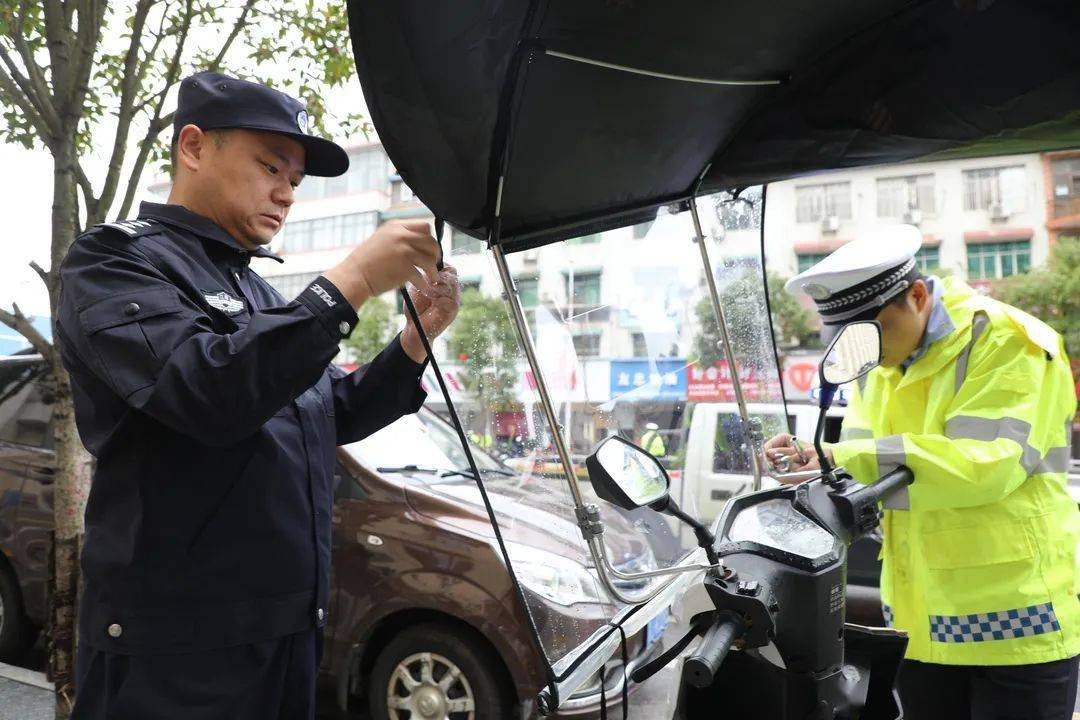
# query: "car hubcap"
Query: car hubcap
426,686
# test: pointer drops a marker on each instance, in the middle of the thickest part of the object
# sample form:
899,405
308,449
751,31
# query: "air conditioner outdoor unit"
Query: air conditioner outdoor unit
998,211
913,216
830,223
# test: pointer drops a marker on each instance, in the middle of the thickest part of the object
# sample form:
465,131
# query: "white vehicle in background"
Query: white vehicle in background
713,472
716,467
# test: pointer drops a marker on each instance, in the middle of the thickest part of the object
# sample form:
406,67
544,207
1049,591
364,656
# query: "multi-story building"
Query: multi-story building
981,219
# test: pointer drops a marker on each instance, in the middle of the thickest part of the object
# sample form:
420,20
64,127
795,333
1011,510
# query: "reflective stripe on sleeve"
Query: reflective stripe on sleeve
855,433
890,455
970,427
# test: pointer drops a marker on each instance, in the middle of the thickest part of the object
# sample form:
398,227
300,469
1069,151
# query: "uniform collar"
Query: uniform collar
180,216
938,325
959,302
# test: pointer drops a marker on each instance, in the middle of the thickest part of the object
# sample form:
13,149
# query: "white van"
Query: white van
716,468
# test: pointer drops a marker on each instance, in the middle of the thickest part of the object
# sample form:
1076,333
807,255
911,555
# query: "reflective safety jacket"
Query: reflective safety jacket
980,554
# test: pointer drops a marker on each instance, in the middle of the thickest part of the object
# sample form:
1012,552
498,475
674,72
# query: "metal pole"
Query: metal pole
752,427
595,544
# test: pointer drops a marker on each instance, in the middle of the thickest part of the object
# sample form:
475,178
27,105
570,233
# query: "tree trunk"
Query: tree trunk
73,463
73,468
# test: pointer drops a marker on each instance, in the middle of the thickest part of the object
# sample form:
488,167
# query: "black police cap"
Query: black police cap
213,101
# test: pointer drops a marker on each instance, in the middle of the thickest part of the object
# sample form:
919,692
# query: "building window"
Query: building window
528,290
928,258
814,202
899,195
368,170
470,284
587,345
1002,187
987,261
1065,175
405,193
641,346
463,244
584,239
808,260
328,232
583,288
291,285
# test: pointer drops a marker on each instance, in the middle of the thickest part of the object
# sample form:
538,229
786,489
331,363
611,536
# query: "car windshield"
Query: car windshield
423,443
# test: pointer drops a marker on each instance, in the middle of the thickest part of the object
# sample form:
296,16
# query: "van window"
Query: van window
25,413
729,446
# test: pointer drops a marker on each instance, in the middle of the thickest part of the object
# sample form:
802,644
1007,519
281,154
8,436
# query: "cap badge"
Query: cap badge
302,121
818,292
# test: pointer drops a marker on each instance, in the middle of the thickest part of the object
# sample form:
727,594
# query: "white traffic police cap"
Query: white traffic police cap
855,281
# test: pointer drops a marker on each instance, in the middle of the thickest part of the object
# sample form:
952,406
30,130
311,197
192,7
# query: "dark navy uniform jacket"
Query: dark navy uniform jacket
213,411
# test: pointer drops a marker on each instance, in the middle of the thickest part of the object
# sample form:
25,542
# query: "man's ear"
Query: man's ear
190,145
920,294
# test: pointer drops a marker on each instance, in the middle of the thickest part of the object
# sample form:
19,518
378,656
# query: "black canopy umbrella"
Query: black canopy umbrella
537,121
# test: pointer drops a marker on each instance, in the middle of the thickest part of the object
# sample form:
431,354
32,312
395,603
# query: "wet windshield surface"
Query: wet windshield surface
626,341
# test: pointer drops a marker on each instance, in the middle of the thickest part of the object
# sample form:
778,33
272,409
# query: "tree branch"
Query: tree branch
18,322
13,93
241,23
56,40
91,17
128,87
157,122
89,201
34,85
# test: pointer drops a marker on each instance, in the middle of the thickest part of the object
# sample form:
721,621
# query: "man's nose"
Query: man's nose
284,195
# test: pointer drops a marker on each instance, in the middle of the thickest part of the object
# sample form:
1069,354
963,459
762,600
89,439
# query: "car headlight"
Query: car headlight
559,579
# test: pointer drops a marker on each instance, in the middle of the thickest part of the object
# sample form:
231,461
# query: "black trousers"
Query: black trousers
267,680
972,692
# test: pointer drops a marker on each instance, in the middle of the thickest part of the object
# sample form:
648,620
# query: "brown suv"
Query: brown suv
423,621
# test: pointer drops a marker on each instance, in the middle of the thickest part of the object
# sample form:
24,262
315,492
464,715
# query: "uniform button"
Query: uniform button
320,614
131,309
344,328
115,630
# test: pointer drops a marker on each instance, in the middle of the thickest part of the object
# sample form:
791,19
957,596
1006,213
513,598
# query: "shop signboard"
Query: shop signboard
648,379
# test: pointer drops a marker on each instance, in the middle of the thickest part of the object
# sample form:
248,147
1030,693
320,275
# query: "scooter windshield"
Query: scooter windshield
627,344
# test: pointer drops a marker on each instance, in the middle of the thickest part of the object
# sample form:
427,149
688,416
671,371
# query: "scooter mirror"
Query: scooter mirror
855,351
625,475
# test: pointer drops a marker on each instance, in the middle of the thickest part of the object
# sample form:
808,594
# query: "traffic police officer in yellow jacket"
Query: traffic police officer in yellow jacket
980,556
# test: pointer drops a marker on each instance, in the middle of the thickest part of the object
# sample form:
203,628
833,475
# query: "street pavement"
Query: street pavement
24,694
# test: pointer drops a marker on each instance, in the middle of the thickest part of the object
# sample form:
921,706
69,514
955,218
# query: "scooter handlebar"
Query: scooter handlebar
888,484
701,667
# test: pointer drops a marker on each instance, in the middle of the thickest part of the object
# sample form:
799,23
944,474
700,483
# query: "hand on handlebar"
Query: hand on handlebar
783,455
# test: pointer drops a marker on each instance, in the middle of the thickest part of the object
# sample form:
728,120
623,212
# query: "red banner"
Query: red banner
715,384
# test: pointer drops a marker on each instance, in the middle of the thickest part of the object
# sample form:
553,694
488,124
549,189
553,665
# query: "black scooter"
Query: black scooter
776,645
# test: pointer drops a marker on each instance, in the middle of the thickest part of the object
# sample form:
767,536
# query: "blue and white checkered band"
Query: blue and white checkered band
868,295
1004,625
887,613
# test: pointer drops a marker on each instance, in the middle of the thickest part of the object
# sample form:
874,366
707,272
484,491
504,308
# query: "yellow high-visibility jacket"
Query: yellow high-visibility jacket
980,553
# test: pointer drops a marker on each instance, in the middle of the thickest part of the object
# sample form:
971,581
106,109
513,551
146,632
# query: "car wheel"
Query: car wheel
435,672
13,630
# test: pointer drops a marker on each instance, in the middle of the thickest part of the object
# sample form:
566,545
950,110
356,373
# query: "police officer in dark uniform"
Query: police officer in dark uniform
213,411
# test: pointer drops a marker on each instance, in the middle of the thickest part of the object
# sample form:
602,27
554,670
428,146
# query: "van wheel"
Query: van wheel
435,672
13,629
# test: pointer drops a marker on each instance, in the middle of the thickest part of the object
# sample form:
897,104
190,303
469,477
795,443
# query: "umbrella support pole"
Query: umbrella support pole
752,426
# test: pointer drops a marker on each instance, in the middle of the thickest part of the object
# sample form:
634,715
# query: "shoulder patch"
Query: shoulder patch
132,228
